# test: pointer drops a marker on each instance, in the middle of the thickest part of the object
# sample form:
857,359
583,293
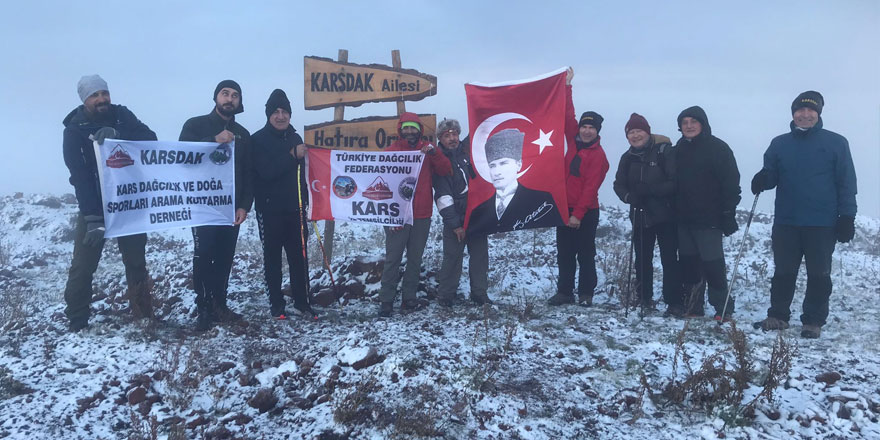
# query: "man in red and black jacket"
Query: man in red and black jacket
411,238
576,242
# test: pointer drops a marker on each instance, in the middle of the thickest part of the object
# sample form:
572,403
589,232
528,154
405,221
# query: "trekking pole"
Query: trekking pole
302,234
742,245
639,282
628,290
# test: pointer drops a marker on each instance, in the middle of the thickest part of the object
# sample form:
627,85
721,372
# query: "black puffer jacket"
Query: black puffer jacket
654,167
79,152
707,178
275,171
450,192
204,128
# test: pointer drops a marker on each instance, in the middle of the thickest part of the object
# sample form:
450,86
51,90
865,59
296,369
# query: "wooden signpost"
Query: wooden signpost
365,134
338,84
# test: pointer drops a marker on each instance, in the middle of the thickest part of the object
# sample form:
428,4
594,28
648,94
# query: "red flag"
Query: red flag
518,146
318,176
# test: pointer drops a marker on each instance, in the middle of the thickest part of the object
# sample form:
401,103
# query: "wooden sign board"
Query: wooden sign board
331,83
363,134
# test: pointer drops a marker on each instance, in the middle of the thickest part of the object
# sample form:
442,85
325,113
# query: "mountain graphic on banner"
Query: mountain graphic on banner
119,158
378,190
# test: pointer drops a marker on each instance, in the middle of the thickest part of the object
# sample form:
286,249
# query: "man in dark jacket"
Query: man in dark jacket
815,180
645,180
450,195
215,245
576,241
410,238
707,193
279,192
97,119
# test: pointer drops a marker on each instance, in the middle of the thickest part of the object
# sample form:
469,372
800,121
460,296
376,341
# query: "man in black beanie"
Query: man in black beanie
815,180
215,245
279,192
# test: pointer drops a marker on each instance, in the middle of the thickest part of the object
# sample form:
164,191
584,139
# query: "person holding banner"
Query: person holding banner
450,195
95,120
214,246
277,157
576,241
410,238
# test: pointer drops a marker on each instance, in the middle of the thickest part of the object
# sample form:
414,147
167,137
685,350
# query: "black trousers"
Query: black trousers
282,231
666,235
791,245
214,248
577,247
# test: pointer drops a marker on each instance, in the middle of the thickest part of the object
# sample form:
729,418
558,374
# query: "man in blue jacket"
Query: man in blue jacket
97,119
815,180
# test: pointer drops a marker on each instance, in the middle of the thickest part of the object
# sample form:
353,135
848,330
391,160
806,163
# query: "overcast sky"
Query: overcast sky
743,62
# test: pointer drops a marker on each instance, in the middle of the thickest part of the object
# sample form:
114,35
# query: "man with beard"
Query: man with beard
411,238
815,180
214,246
707,192
279,190
450,194
97,119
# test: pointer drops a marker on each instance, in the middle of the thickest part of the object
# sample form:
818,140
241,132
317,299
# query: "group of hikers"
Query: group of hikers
682,197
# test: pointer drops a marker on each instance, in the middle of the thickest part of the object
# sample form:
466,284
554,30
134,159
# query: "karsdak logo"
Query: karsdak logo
407,188
119,158
343,186
221,154
378,190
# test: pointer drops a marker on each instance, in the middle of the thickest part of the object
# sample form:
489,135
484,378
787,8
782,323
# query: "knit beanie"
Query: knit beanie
278,99
228,83
90,84
505,144
810,99
637,121
592,118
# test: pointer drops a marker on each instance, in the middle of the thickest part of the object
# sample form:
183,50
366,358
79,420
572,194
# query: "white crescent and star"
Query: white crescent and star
314,186
481,135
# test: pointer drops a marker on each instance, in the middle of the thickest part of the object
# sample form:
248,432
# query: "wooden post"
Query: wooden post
330,225
395,63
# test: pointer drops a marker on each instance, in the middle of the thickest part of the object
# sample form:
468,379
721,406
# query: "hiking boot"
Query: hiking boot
306,310
811,331
771,323
648,305
77,325
674,311
585,300
727,317
560,299
204,321
480,299
413,305
222,313
278,312
385,309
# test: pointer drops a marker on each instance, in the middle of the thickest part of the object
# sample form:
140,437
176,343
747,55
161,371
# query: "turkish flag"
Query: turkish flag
518,149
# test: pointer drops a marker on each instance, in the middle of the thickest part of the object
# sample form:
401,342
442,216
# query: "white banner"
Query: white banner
366,187
153,185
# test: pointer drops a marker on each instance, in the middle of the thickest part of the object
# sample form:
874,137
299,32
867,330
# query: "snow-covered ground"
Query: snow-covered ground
518,369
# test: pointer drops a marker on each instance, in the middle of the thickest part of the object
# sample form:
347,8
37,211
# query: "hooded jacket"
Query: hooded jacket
275,171
654,166
585,175
813,173
204,128
79,152
435,164
707,178
451,192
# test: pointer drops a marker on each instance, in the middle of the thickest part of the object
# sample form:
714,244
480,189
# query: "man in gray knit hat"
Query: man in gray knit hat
95,120
514,206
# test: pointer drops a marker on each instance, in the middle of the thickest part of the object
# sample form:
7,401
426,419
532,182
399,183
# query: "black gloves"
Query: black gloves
728,223
104,133
845,229
759,182
94,230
